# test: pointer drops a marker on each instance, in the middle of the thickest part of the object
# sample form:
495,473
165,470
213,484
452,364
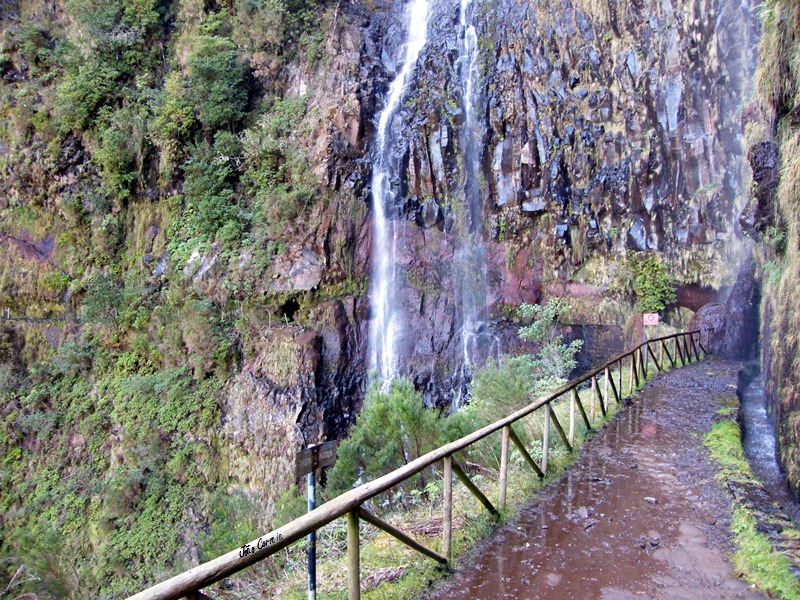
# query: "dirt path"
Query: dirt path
639,515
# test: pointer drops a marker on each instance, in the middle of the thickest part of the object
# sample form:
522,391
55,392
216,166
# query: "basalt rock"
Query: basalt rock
732,328
605,132
760,210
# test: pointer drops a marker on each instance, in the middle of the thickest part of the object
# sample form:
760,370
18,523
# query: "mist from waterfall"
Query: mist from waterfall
387,318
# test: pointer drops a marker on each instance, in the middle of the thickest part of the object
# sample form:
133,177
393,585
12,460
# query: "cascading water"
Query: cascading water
477,343
387,321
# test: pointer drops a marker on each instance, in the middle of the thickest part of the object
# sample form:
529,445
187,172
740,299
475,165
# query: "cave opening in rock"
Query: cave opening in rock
289,309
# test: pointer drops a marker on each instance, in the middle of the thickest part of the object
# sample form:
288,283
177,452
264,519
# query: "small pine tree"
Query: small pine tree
393,429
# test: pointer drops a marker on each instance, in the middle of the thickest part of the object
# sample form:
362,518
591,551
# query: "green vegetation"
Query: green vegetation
777,84
499,390
129,138
653,286
755,558
393,428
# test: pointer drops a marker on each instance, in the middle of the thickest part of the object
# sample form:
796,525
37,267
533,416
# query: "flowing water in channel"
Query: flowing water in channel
387,324
758,439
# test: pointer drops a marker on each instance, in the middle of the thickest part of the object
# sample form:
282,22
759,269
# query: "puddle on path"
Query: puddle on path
637,516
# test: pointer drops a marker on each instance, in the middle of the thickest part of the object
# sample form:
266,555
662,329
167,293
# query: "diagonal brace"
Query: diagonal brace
521,447
399,535
474,489
560,430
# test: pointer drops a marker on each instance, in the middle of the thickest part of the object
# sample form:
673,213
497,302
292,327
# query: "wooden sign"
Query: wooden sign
315,457
650,319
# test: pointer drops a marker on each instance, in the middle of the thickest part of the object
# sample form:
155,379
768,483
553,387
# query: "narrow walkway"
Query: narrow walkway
639,514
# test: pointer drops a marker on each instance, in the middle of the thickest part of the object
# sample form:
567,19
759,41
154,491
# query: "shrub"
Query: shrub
173,121
36,45
500,390
103,301
121,146
84,90
116,31
209,204
232,523
554,360
393,428
653,286
52,564
276,170
216,82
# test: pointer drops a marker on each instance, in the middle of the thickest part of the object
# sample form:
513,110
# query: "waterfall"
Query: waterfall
387,320
478,344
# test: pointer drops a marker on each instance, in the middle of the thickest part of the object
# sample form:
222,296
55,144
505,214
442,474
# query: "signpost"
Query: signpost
648,320
307,462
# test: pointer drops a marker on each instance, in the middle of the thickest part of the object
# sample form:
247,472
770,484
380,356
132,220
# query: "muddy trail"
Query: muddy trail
638,515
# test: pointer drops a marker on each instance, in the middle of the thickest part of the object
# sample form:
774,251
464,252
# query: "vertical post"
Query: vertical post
643,364
621,391
572,407
447,524
503,469
607,374
646,360
312,539
594,400
353,557
633,369
661,354
675,352
546,437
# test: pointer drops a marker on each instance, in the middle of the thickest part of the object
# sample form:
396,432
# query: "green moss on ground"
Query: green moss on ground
755,558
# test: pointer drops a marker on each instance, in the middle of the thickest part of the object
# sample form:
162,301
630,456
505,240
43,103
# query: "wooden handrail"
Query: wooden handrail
206,574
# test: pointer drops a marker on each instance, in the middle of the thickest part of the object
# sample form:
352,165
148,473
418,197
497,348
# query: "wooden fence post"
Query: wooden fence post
599,394
353,557
503,468
546,437
633,371
447,524
572,408
644,352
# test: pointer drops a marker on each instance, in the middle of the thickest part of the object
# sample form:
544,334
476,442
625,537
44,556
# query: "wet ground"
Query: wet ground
639,514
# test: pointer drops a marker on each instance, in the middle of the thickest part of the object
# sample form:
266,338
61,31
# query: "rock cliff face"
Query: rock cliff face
604,130
771,217
607,130
187,235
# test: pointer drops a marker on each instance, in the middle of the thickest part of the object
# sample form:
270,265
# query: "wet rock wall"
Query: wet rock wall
609,129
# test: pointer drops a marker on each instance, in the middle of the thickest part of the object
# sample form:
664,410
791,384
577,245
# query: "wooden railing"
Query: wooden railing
685,347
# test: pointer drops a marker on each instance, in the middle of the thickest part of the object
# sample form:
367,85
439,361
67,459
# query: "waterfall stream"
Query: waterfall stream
478,344
387,322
